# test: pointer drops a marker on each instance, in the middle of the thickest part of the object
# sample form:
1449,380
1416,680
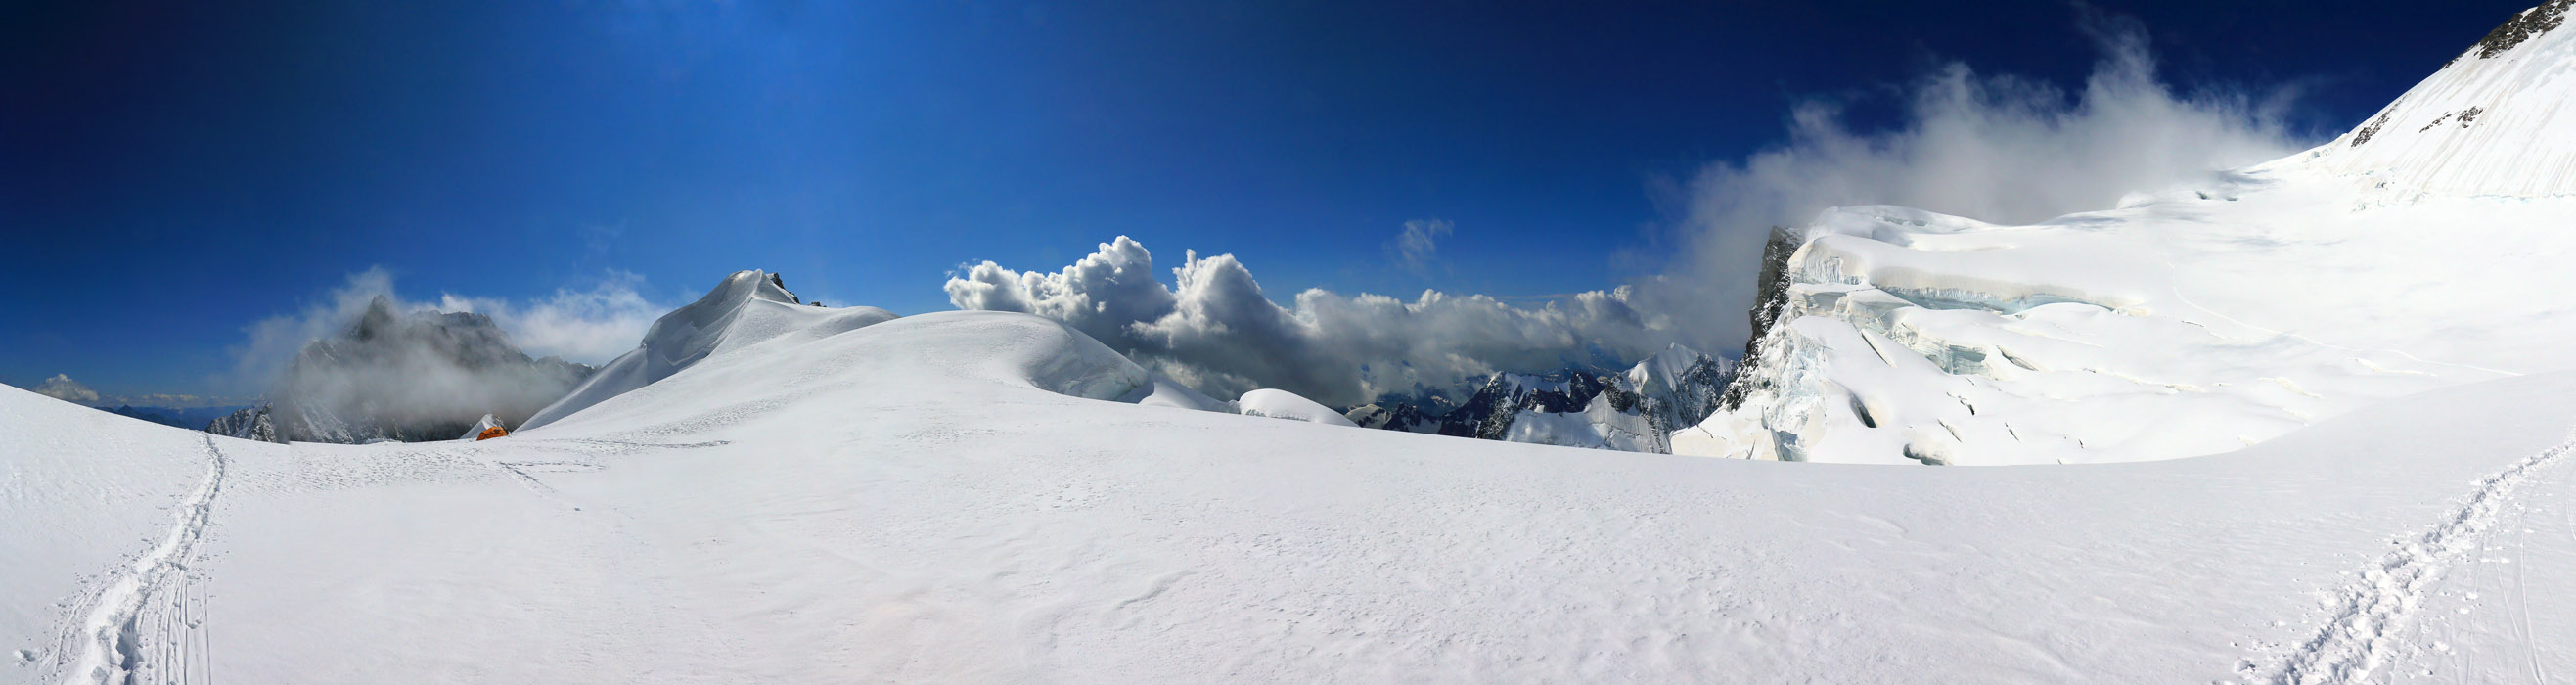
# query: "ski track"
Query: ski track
112,649
2361,636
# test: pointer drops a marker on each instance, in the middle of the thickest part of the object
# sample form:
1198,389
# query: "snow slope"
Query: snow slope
2403,257
745,309
933,499
2499,119
1281,404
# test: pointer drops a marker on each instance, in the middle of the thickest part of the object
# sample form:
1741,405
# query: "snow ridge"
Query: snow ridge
2492,122
110,649
2361,636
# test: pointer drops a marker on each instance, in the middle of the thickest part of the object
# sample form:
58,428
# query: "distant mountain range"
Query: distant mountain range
1633,410
191,418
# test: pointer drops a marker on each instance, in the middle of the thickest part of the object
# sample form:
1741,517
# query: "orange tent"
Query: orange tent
493,432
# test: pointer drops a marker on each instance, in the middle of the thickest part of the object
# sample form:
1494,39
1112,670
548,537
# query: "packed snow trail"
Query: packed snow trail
2501,613
111,640
2362,636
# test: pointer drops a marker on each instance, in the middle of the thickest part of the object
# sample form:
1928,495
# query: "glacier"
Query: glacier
2417,251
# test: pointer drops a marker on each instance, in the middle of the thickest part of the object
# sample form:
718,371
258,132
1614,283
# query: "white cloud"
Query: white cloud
1995,148
1418,243
176,401
1998,148
589,326
1218,331
62,387
271,344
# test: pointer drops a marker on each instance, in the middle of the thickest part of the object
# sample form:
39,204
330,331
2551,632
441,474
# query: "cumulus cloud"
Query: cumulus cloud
1418,243
62,387
1216,329
1994,148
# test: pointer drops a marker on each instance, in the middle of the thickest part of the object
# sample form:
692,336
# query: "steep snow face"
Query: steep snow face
1914,337
2195,319
2500,119
2172,327
745,309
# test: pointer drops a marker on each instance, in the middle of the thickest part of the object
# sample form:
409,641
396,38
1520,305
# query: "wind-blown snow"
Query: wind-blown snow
2191,320
1995,146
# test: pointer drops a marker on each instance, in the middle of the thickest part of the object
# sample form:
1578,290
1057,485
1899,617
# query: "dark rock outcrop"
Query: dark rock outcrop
1770,298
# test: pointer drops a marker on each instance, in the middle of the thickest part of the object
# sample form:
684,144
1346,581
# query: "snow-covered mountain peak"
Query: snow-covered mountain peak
2496,120
2531,22
1517,384
745,309
1674,362
2410,254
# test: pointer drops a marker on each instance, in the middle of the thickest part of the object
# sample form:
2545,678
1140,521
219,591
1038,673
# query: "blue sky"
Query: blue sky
171,174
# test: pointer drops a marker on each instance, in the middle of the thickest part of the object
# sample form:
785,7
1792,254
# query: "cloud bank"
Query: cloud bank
62,387
1995,148
589,326
1216,330
415,374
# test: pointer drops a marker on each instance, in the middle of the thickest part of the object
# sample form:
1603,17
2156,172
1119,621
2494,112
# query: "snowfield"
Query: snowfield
939,498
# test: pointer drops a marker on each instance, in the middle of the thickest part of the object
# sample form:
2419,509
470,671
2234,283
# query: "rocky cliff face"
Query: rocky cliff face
1770,298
